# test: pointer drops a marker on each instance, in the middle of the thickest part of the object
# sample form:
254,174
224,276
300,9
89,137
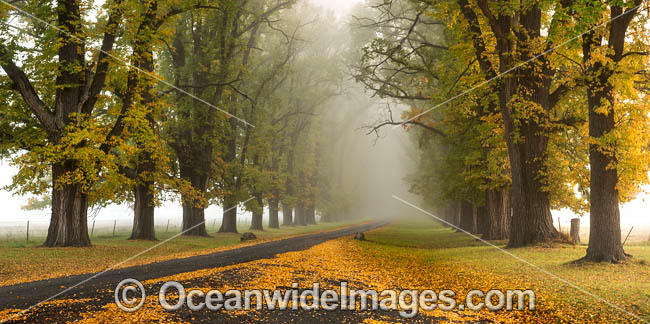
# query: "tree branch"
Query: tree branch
26,90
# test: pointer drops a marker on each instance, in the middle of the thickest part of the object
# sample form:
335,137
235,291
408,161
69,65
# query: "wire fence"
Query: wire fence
32,231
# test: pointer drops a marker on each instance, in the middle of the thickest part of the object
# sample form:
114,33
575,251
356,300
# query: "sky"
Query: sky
339,7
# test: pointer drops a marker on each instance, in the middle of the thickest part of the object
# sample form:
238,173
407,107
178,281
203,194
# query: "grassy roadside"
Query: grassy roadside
23,262
464,264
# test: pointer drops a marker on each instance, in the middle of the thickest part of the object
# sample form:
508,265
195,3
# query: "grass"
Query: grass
28,261
471,262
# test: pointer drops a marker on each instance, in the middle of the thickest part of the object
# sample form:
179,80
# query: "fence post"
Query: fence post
27,231
92,229
167,230
114,224
575,230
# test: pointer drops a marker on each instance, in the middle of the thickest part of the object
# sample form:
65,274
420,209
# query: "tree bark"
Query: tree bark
68,223
310,214
457,213
299,217
497,208
468,217
274,221
287,215
193,211
258,216
143,213
482,221
229,223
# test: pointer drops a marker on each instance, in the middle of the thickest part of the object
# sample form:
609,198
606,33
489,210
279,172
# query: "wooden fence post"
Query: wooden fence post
575,230
27,231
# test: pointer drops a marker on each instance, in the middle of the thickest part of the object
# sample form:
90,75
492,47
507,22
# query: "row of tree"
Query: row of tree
519,107
142,101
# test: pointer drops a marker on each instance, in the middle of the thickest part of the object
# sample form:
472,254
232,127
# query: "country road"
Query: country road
24,295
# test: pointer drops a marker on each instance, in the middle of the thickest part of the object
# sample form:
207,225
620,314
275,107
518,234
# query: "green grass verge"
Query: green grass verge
626,285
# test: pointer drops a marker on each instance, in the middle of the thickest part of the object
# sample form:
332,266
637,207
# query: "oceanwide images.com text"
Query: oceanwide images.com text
172,296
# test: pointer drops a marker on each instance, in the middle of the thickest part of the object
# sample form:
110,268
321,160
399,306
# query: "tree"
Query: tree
608,67
64,108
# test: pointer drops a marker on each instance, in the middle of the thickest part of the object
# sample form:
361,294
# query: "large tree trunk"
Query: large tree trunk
287,215
274,221
468,217
69,220
193,211
532,221
605,219
143,213
229,222
258,216
497,214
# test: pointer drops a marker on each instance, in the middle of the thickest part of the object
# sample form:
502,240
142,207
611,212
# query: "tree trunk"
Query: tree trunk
468,217
143,213
258,216
605,227
605,218
69,220
497,208
229,223
193,211
287,215
532,221
457,213
482,221
310,214
274,221
144,206
299,217
194,218
449,214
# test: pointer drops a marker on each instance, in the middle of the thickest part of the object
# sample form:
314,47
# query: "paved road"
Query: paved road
24,295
